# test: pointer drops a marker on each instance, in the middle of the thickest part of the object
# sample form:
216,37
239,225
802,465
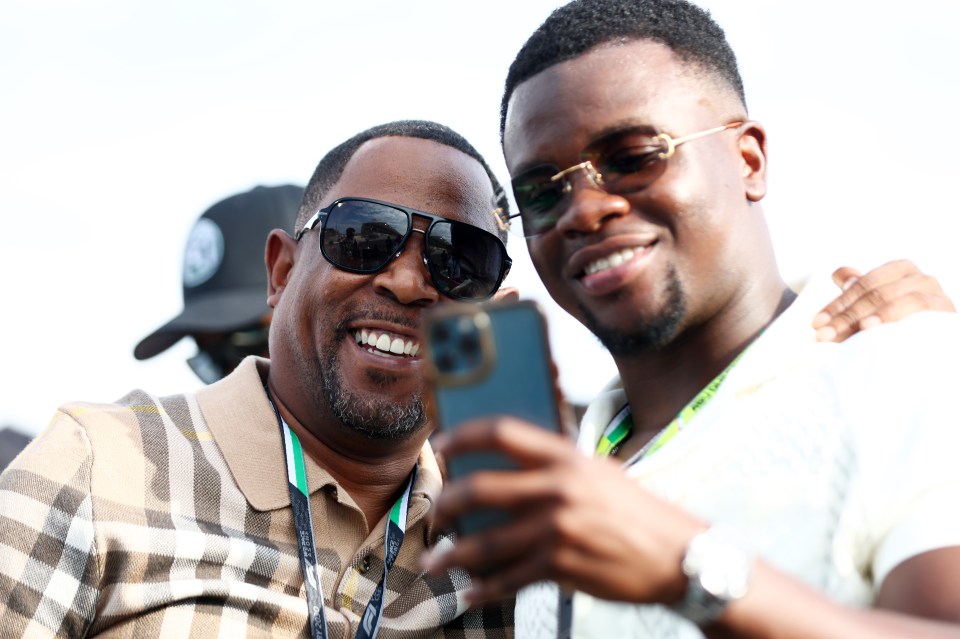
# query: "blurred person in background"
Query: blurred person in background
224,306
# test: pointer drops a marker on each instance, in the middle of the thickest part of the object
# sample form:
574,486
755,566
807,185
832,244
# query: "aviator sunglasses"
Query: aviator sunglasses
361,235
622,162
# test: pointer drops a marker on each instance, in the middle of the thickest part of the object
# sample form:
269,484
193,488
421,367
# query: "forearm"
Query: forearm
780,607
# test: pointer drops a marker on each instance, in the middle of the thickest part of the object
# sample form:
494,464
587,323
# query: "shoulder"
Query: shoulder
100,445
137,414
918,355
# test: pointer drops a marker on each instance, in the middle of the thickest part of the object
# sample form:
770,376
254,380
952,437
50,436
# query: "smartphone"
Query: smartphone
486,360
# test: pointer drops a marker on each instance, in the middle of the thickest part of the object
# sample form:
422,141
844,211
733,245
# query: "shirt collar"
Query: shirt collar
244,426
756,366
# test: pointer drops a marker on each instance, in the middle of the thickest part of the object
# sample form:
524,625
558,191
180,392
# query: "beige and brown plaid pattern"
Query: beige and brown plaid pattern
170,517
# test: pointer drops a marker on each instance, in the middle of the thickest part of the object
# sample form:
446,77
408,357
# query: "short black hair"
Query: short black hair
332,164
581,25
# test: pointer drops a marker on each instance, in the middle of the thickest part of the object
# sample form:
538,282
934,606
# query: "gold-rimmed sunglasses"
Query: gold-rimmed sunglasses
621,162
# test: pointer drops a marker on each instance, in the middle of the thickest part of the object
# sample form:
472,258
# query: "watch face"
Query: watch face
726,573
718,570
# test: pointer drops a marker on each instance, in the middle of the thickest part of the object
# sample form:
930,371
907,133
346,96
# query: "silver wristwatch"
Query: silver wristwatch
718,568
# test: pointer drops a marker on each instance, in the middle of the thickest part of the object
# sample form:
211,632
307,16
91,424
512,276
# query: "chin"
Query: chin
370,412
644,332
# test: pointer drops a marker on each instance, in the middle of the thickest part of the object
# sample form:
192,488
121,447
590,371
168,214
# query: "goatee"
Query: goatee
649,335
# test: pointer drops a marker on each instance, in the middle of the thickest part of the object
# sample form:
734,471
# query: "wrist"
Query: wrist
718,567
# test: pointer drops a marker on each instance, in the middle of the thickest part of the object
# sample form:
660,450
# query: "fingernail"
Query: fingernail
850,282
431,559
821,319
870,322
826,334
472,595
427,561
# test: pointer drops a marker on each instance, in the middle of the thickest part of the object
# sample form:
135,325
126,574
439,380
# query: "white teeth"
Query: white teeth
600,265
609,261
383,344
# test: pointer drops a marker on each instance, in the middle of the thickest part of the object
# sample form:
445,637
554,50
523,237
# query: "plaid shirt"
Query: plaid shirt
171,517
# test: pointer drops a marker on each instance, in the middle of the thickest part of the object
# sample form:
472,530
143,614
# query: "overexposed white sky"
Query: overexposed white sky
121,121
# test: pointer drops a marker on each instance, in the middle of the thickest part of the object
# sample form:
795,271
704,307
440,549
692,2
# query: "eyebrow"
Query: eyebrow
621,127
614,132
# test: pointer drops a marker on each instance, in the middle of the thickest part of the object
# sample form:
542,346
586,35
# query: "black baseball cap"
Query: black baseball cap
224,277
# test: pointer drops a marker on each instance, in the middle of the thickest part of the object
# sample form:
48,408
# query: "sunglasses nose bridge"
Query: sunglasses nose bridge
423,253
565,177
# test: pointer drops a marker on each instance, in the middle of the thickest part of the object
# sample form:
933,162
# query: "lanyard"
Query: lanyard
302,520
622,423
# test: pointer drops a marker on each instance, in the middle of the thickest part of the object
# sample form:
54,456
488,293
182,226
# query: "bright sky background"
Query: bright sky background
121,121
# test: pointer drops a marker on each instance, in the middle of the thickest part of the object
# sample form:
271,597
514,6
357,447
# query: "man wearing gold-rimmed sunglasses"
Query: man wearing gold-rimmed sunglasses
739,478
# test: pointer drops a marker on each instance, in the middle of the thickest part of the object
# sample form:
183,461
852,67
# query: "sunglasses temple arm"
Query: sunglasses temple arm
317,218
703,134
503,221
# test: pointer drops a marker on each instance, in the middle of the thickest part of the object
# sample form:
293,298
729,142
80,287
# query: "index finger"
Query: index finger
530,445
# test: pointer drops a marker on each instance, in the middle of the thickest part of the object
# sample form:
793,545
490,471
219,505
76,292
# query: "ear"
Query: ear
280,256
753,150
509,293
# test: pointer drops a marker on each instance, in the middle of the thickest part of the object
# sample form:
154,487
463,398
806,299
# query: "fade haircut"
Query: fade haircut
581,25
331,167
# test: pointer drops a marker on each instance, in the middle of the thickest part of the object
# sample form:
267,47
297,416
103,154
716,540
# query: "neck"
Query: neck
373,473
659,383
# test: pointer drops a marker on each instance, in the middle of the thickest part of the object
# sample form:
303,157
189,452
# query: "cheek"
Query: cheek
548,260
693,213
545,256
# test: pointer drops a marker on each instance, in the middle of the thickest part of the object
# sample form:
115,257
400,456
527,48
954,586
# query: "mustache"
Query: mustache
411,320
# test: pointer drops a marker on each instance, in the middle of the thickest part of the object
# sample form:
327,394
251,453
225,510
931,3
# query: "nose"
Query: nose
406,278
589,205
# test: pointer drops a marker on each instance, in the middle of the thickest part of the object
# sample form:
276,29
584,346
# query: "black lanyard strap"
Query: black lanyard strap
302,520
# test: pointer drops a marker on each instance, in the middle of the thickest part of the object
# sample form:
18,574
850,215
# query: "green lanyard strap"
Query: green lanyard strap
302,520
621,425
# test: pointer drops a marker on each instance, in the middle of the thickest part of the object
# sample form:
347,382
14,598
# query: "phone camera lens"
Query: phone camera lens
446,363
469,344
440,333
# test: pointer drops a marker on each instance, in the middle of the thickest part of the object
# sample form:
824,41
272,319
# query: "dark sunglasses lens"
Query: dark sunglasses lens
363,236
465,262
629,161
539,199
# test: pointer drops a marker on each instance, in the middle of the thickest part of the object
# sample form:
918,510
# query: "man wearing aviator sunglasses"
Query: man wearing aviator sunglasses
290,497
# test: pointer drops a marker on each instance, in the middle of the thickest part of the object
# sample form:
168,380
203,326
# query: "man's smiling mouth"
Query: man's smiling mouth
609,261
386,345
616,257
